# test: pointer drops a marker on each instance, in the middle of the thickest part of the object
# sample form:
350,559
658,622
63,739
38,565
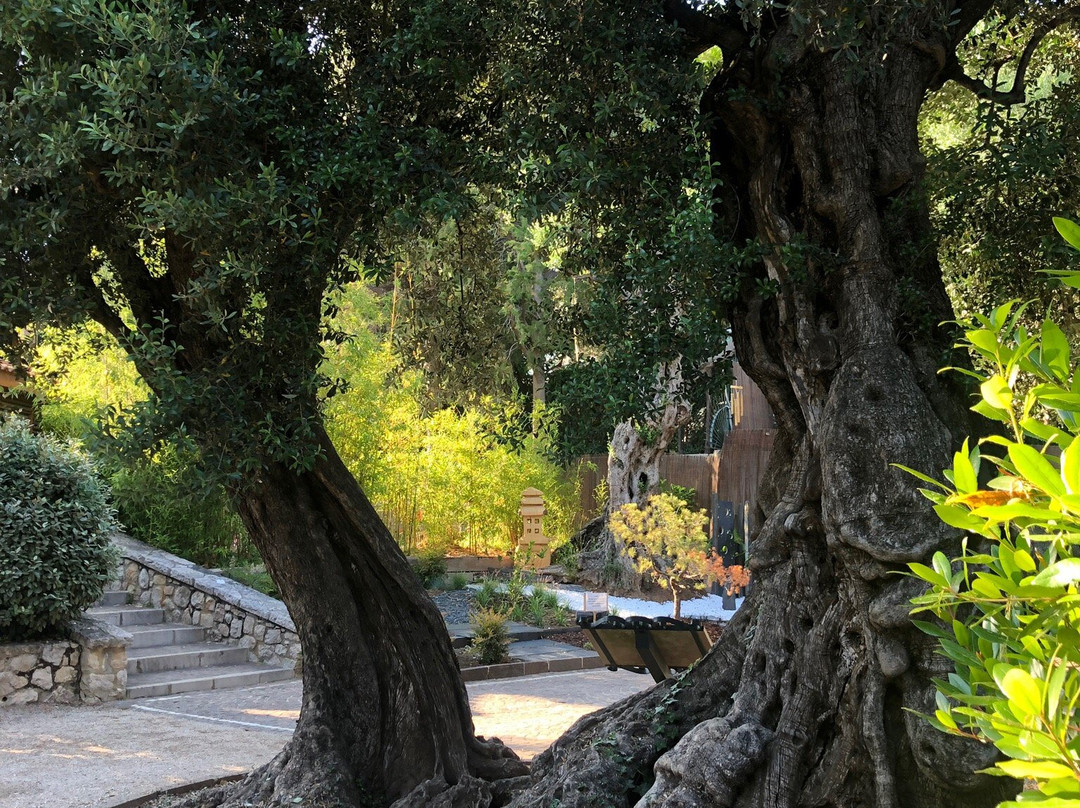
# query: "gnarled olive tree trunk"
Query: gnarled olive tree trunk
385,711
804,700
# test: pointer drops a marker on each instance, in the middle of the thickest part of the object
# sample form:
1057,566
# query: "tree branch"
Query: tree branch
954,71
966,15
704,31
100,310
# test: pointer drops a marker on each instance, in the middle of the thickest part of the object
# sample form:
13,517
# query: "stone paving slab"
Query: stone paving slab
97,757
546,650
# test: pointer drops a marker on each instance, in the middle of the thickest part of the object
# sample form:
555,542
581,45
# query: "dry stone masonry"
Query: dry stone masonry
89,666
191,595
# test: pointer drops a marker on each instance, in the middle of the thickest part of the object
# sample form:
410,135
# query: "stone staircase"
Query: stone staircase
169,658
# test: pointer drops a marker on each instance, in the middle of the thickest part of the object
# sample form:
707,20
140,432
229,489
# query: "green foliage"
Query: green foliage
457,581
451,478
687,495
667,542
1014,167
80,374
82,379
162,500
1009,606
253,575
485,595
538,606
55,558
198,180
430,567
490,637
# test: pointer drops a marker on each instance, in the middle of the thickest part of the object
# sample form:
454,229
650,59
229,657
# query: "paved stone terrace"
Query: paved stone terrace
98,757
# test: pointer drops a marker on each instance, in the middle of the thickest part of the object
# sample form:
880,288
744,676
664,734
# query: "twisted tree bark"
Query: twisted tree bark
385,715
805,699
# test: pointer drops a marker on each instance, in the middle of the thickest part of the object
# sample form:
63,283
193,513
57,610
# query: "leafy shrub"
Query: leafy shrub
163,501
667,542
1010,619
733,579
253,575
537,609
485,595
457,581
540,607
491,640
430,567
515,587
686,494
55,557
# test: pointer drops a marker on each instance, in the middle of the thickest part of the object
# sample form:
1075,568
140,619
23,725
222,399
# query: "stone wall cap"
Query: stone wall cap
90,632
223,589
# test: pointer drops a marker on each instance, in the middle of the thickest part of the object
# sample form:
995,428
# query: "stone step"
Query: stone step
128,615
113,598
165,634
168,683
182,657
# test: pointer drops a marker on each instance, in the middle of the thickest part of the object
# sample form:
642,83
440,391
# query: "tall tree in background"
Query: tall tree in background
1007,164
814,133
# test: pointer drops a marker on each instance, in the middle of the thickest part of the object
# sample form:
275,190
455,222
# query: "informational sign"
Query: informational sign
596,602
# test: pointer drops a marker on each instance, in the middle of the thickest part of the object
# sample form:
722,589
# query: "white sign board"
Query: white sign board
596,602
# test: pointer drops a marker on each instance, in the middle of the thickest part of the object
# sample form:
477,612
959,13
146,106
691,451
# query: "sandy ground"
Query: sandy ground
97,757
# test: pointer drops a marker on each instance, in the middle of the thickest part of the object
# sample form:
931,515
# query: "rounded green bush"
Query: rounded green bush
55,522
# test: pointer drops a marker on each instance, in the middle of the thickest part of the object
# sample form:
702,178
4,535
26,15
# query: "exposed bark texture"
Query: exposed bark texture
384,711
802,702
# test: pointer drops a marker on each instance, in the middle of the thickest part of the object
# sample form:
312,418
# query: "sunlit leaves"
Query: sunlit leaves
1009,615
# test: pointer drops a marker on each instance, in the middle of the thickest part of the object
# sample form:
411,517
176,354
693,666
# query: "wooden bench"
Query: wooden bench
647,645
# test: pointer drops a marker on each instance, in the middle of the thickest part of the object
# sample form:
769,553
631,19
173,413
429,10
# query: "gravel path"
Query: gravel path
455,605
97,757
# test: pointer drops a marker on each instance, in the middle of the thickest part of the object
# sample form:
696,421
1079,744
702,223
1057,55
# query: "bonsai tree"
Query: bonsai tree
667,542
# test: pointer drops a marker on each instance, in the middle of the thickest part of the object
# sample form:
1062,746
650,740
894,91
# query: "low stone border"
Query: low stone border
89,666
192,595
508,670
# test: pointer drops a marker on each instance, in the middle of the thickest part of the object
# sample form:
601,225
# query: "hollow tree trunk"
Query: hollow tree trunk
384,711
802,702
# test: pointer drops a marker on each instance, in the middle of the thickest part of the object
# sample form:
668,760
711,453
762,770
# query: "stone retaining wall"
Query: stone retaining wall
191,595
90,666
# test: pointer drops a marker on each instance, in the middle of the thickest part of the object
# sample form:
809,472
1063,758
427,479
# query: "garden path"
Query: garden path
98,757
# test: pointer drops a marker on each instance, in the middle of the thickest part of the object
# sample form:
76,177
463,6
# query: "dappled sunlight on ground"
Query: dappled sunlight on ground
292,715
71,749
97,757
500,716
